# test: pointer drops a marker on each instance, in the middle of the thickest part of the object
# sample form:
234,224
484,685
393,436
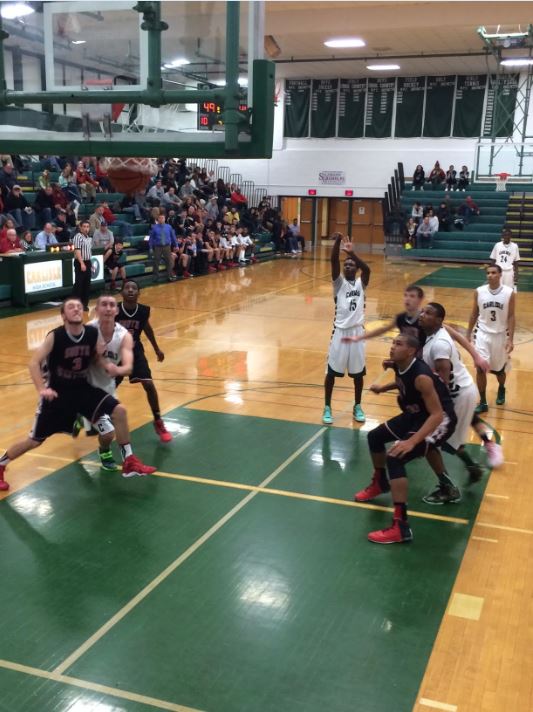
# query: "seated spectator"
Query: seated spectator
129,204
231,217
67,183
419,178
451,178
102,177
109,216
417,213
9,224
86,183
60,199
170,200
247,247
44,205
467,209
116,264
44,179
27,241
187,189
464,179
62,229
155,195
8,179
428,209
238,200
433,221
424,234
19,209
437,176
183,258
96,219
3,216
46,237
103,239
410,233
11,243
444,217
51,163
294,229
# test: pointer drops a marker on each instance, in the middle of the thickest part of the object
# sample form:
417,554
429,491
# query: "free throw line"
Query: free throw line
68,662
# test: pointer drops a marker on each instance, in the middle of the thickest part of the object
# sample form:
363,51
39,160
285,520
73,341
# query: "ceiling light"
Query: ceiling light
382,67
12,10
518,62
77,42
341,42
243,82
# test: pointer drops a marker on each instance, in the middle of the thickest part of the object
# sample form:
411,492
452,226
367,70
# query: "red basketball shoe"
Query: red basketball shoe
374,489
3,484
396,534
161,430
133,467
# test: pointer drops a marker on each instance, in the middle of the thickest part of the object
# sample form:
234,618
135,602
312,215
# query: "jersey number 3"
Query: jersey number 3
492,315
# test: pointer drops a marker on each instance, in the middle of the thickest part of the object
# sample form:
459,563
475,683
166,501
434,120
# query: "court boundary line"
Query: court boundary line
143,593
95,687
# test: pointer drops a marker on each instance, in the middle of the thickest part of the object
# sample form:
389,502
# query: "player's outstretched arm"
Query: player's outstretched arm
34,366
479,361
151,338
473,317
424,385
335,256
371,334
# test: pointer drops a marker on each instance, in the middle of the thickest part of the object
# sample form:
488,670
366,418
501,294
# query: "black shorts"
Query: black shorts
402,426
141,369
58,415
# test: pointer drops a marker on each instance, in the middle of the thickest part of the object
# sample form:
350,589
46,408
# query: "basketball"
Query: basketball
125,180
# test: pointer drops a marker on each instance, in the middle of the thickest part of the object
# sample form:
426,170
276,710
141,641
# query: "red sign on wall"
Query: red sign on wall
311,191
348,193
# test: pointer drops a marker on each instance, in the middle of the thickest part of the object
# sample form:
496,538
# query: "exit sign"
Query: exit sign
311,191
348,193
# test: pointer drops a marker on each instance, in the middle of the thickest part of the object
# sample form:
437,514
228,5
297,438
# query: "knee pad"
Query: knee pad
395,467
376,440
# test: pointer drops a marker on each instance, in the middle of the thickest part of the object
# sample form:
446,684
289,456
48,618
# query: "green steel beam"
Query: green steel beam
231,100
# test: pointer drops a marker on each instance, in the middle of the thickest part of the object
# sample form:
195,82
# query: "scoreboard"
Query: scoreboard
210,115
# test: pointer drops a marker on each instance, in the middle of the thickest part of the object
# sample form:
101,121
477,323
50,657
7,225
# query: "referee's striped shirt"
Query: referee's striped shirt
84,244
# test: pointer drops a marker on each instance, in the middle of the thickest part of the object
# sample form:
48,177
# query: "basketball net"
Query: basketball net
146,166
501,181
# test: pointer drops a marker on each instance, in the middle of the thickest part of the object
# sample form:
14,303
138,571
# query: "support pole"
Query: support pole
232,91
3,36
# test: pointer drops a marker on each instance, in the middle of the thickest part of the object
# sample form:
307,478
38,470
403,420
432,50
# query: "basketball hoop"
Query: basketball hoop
130,175
501,181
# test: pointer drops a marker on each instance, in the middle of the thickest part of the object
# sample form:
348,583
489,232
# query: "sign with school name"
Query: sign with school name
332,177
41,276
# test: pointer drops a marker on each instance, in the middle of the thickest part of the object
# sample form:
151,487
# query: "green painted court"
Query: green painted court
167,593
468,278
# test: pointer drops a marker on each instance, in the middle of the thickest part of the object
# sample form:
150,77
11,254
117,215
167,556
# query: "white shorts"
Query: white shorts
104,425
491,347
508,278
464,405
343,356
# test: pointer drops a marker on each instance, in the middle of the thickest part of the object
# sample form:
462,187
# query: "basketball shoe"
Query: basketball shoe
3,484
398,533
162,431
494,453
378,485
133,467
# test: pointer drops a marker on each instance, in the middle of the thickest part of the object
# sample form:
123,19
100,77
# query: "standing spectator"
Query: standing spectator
82,264
419,178
19,208
11,243
451,178
86,183
437,176
467,209
44,205
417,213
444,217
424,234
464,179
45,238
238,200
161,242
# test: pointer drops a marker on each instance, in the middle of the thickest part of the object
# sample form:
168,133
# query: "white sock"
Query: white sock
126,451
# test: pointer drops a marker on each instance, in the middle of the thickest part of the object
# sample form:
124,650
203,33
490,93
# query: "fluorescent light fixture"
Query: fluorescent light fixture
500,33
517,62
382,67
78,42
243,82
340,42
12,10
180,62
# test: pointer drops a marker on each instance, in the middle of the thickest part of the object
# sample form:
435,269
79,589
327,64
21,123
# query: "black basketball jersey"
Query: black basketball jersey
135,321
410,399
408,325
67,364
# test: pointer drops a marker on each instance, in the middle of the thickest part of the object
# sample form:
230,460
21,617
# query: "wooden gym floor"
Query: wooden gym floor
240,578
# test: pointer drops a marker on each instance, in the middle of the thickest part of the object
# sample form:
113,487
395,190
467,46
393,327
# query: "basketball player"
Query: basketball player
427,420
119,355
441,355
493,315
506,255
64,390
135,318
349,296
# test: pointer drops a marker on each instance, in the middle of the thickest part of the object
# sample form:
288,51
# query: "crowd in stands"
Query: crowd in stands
195,223
438,178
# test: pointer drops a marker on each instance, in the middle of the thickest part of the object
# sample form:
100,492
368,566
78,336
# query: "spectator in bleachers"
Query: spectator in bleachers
19,208
417,213
427,209
86,183
63,231
96,219
44,179
102,177
222,194
59,198
51,163
8,179
26,240
419,178
9,224
238,200
187,189
154,196
424,234
232,217
126,230
161,242
170,199
410,232
212,208
464,179
451,178
3,216
104,239
437,176
294,229
10,243
467,209
68,184
46,237
433,221
444,217
44,205
129,204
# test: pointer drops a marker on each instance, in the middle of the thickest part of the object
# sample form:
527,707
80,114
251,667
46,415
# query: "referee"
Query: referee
83,251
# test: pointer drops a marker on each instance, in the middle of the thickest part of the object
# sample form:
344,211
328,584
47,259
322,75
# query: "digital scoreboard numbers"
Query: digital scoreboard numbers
210,115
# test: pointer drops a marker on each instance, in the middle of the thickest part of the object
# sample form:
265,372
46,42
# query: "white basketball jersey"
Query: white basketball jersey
493,308
349,303
97,376
505,255
440,345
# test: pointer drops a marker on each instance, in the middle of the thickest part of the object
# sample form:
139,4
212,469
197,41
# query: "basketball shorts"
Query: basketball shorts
402,426
346,357
492,348
508,278
464,405
58,415
141,370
